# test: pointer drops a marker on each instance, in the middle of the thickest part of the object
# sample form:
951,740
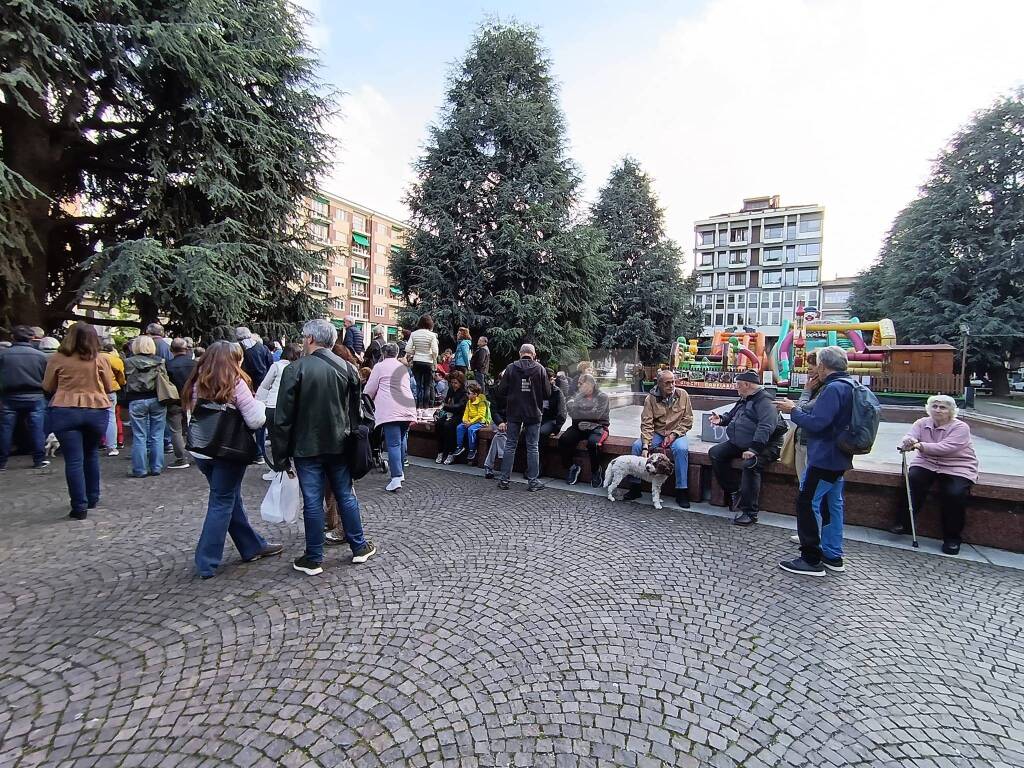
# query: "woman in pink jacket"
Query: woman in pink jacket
394,408
944,457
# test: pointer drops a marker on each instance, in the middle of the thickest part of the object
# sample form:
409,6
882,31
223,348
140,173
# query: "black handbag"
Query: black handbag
218,430
358,452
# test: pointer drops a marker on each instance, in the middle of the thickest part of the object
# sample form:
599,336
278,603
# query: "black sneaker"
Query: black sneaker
268,551
179,464
535,485
331,539
683,498
632,494
364,553
77,515
951,547
573,475
307,566
488,475
833,563
458,452
471,457
41,464
744,518
596,480
503,485
802,567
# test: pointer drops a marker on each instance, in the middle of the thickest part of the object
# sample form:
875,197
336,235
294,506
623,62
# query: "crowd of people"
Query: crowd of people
296,406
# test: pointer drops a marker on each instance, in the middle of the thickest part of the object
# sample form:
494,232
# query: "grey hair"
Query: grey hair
949,401
833,358
155,329
379,330
669,371
322,332
349,319
389,350
242,333
588,378
528,349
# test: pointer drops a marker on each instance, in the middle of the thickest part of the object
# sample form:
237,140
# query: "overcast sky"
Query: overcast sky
838,102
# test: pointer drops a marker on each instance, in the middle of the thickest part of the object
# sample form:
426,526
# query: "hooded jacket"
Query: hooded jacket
140,372
525,386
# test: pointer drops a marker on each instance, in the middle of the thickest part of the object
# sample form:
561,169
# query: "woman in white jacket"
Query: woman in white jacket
422,348
267,392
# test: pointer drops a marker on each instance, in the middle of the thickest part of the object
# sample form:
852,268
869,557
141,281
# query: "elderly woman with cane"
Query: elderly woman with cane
944,457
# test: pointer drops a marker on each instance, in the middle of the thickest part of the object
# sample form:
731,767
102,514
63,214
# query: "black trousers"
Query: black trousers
480,377
569,439
953,492
446,435
423,373
749,485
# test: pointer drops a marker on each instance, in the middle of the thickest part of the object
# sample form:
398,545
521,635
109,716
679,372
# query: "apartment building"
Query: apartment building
755,265
835,299
356,281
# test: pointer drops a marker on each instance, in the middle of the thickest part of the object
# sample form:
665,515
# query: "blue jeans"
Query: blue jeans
225,516
148,421
680,455
314,473
532,432
825,501
463,430
111,438
396,436
80,431
33,407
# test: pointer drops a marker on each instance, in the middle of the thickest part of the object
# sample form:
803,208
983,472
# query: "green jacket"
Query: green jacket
316,406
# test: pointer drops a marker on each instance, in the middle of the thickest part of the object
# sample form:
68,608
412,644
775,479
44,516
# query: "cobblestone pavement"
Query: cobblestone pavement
492,629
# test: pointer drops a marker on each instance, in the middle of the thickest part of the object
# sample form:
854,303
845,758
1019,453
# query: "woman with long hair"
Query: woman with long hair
463,351
148,416
79,379
423,349
218,380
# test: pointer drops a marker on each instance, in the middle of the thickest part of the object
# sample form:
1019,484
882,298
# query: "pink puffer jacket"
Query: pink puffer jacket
391,392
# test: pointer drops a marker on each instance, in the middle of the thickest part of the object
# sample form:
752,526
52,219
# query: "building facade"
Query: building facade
835,299
356,280
755,265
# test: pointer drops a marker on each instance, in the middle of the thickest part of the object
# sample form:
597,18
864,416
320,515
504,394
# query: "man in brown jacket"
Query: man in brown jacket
666,418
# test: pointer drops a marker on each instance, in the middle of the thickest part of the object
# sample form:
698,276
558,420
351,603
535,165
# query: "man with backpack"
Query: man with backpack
843,422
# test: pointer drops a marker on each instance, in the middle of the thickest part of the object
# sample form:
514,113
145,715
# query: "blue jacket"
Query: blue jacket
829,416
462,353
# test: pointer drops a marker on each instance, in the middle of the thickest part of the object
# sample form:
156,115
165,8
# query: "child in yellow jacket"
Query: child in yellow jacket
474,418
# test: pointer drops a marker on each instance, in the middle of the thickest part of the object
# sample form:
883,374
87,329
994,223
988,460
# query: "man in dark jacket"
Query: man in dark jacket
318,405
826,464
178,370
525,387
553,415
256,358
22,367
353,338
163,349
480,363
754,434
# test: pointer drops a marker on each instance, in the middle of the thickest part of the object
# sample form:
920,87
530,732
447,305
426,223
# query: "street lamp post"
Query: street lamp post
965,332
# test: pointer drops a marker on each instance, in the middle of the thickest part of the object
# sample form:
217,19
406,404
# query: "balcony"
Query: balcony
361,273
739,264
361,250
740,287
708,287
706,267
318,287
702,245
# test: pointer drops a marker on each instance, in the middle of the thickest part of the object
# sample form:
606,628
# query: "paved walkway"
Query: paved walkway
492,629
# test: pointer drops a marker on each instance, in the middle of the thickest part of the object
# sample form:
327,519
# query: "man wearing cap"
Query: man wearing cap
755,432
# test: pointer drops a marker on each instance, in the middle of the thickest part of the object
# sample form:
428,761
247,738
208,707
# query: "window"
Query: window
773,231
809,298
704,281
722,259
808,251
789,278
771,277
752,318
356,308
777,300
320,208
741,300
730,301
338,304
752,298
771,255
720,280
773,317
319,279
706,259
707,318
737,279
737,258
719,301
738,235
719,318
318,231
706,238
787,299
381,270
790,231
810,224
807,275
340,215
339,282
791,254
380,290
735,318
837,297
723,237
379,311
357,290
359,222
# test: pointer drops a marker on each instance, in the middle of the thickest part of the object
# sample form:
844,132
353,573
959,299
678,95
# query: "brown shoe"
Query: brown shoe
268,551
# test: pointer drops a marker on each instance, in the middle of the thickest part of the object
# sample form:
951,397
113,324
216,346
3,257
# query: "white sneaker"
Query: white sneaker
395,484
113,452
795,539
269,475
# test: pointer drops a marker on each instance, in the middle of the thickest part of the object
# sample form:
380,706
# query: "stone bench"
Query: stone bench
874,495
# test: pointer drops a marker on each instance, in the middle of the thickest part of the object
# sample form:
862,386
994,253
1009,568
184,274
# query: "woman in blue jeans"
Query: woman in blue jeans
218,382
394,408
80,379
148,416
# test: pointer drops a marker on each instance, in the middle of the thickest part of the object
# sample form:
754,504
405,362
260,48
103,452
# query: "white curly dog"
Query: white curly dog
655,469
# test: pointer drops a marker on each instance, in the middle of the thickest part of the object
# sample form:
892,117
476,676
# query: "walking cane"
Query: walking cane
910,501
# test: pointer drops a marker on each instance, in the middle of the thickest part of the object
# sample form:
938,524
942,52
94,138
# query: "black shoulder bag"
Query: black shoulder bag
218,430
358,453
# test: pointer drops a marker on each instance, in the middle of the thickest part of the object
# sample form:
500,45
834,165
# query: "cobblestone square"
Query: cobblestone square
491,629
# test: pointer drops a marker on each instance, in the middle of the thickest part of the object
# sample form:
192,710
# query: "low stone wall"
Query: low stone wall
995,513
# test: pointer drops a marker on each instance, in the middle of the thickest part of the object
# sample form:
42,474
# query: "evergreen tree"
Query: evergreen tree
495,245
651,304
157,151
956,253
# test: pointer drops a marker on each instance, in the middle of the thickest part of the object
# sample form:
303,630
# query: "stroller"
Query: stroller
378,450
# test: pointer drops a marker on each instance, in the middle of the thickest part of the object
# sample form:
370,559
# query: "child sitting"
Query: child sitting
440,387
473,420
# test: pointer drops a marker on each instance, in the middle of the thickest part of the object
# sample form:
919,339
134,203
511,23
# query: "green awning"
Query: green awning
396,291
360,239
338,323
395,249
361,278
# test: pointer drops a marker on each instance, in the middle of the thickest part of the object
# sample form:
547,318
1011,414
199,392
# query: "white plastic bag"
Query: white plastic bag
281,504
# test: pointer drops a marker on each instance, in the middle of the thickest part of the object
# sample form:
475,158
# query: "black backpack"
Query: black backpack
865,414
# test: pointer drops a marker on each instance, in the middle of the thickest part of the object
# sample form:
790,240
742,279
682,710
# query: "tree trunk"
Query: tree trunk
1000,381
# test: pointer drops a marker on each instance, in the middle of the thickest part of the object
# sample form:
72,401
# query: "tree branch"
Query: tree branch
63,315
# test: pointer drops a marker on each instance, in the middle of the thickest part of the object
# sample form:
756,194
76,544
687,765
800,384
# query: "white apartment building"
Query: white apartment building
755,265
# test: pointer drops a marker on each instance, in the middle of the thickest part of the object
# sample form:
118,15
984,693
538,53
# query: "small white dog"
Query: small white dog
655,469
52,445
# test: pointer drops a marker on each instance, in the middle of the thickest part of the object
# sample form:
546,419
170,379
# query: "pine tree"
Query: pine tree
651,304
495,245
956,253
157,152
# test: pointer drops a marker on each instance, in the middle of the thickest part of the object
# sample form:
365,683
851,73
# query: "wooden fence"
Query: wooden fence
919,383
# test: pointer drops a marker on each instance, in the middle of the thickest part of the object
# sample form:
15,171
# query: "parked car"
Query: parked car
1017,386
982,386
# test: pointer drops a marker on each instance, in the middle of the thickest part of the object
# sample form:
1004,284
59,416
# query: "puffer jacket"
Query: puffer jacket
476,411
140,372
593,409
